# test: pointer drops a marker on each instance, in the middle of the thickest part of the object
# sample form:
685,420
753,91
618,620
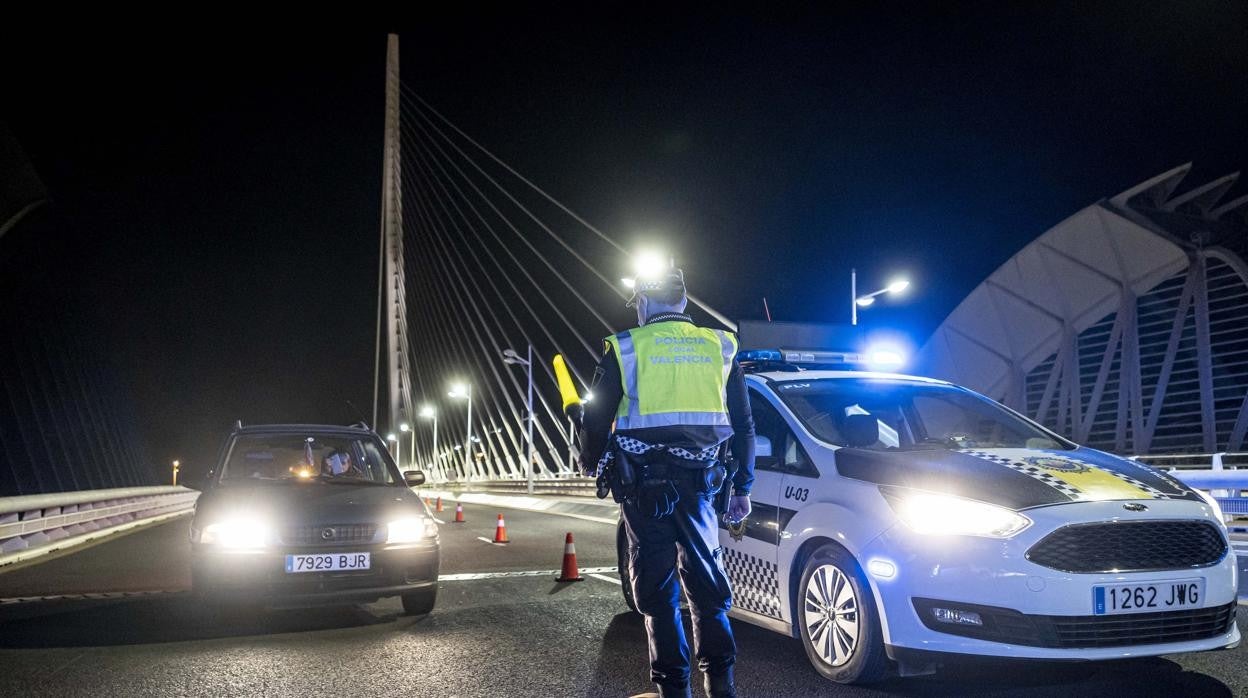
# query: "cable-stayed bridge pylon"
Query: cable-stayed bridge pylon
477,259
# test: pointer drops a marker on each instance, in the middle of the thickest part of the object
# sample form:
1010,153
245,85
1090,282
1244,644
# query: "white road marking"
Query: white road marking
483,539
89,596
605,578
473,576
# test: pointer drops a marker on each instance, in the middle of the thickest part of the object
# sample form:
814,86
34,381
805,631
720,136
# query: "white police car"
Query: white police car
909,519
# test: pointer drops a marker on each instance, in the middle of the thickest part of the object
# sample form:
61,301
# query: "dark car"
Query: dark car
299,515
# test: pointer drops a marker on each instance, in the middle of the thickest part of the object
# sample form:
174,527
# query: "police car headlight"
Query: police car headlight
411,530
944,515
236,534
1213,503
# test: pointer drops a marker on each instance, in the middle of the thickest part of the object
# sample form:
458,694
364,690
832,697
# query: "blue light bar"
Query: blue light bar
760,355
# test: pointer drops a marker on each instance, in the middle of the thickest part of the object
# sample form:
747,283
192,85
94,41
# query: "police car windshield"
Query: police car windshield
293,458
909,415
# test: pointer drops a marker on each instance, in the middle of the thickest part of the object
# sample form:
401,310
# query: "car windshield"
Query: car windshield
909,415
303,457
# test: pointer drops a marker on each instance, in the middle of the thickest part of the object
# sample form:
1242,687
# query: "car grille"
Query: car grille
343,534
1083,632
1131,546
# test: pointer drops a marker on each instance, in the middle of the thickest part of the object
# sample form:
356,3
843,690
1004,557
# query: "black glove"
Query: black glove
658,500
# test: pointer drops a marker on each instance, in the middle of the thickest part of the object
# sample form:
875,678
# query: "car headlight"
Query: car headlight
411,530
1217,508
941,514
236,534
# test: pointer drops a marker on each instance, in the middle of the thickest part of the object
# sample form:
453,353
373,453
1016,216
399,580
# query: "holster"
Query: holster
621,475
725,490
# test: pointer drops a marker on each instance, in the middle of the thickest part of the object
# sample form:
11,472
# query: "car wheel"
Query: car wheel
420,602
837,616
621,553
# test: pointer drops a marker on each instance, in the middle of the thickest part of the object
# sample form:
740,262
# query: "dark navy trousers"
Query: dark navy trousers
684,542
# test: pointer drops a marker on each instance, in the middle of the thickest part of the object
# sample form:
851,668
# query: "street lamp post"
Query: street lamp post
427,412
411,456
464,390
177,465
868,300
511,357
398,447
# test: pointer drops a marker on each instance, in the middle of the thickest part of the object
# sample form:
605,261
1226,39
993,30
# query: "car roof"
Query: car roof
826,374
300,428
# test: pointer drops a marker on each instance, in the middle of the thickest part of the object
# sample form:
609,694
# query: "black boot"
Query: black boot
720,685
669,691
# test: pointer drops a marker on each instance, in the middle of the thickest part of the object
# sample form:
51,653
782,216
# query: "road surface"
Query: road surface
502,633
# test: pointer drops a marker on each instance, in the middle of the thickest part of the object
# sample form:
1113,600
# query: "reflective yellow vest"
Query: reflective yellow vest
674,374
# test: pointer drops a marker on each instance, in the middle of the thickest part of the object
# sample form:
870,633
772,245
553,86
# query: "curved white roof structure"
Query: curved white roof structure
1115,292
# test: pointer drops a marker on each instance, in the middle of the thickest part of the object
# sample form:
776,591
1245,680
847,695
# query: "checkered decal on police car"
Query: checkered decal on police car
755,583
1031,471
1146,487
1066,488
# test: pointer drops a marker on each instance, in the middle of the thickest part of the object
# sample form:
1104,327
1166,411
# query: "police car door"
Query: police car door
750,560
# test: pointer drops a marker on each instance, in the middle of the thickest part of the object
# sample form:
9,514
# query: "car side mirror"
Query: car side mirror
414,478
861,430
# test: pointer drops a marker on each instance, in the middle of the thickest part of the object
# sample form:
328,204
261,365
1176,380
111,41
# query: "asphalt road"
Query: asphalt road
506,634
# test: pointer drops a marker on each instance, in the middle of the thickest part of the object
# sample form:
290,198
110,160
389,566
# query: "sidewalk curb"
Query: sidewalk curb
596,510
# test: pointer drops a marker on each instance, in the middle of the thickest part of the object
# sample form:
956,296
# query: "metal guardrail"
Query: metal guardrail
572,486
1195,461
1224,475
32,521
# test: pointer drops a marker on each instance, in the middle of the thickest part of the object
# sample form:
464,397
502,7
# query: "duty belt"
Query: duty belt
630,445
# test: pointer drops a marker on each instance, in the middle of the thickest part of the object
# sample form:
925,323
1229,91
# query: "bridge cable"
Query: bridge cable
501,268
519,265
460,267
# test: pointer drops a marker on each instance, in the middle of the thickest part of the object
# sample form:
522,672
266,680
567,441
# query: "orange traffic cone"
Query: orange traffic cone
428,504
459,512
500,532
439,508
569,573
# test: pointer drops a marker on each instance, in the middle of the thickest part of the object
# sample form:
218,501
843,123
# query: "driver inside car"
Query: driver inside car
339,464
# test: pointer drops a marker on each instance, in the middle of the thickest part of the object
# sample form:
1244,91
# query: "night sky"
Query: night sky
221,192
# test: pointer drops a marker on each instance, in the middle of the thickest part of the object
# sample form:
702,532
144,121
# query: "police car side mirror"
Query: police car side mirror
861,430
414,478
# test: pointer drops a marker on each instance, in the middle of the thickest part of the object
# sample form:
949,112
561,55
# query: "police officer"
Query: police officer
677,398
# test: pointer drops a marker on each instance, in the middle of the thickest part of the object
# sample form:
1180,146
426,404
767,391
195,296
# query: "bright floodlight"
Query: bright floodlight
405,427
898,286
427,412
588,397
628,283
650,264
866,301
459,390
391,437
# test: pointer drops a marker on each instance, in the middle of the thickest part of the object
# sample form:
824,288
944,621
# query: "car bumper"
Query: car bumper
262,577
994,576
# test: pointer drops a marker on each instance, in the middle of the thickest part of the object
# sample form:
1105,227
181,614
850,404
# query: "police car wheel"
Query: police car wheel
621,553
420,602
837,616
